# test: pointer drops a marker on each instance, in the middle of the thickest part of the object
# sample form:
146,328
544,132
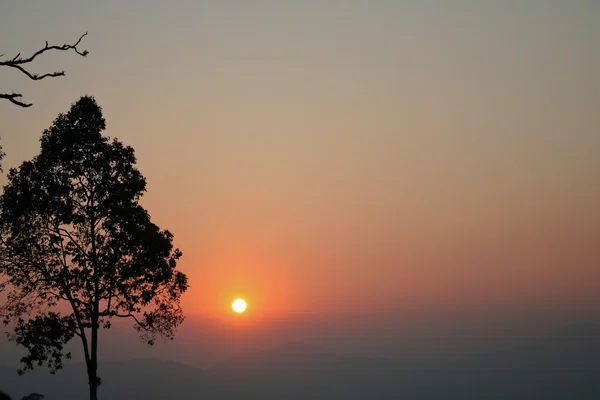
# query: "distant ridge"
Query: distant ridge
579,331
563,365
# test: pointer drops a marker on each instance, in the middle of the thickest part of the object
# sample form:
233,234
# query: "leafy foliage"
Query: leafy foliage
77,249
44,336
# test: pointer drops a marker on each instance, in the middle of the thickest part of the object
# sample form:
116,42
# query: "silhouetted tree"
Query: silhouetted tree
4,396
21,64
74,237
33,396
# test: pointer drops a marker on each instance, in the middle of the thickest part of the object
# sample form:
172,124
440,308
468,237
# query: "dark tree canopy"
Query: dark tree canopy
77,249
21,63
33,396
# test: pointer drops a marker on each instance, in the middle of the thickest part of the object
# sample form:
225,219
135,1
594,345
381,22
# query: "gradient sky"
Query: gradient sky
343,156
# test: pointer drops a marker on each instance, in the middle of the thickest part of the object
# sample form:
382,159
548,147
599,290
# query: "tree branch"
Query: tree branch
65,47
128,315
13,99
68,235
17,62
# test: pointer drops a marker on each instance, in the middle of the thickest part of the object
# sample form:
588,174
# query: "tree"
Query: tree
33,396
21,64
77,250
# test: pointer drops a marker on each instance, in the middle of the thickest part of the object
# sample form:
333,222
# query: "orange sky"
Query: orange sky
339,157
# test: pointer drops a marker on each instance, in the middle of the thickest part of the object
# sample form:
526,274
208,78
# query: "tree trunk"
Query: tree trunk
91,363
94,356
93,379
93,372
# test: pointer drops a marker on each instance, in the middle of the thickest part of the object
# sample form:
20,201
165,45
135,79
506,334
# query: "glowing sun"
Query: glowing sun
239,306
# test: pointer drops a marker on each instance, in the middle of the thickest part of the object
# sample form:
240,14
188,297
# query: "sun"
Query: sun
239,306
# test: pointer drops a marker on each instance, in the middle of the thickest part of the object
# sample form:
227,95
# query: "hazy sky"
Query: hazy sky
343,156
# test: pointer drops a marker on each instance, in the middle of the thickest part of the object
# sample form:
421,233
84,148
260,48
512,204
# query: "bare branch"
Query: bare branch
13,99
64,47
17,62
37,77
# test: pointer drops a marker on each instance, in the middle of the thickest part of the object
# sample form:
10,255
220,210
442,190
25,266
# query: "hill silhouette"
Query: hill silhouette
562,365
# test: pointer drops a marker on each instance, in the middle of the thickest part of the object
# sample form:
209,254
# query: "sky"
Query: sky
347,157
